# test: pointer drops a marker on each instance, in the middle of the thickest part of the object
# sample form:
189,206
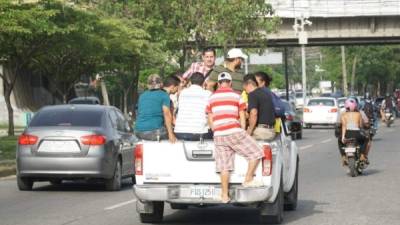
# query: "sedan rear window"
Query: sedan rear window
321,102
67,117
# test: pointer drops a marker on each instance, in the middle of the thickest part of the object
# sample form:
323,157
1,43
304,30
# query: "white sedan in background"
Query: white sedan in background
321,111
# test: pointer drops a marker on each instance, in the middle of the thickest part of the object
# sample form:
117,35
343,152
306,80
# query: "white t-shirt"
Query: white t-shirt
191,116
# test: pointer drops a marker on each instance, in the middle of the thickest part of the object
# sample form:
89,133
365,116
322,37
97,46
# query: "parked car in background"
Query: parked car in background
293,122
292,98
91,100
299,100
321,111
68,142
341,102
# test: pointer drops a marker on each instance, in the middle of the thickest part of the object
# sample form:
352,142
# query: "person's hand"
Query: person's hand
343,140
172,138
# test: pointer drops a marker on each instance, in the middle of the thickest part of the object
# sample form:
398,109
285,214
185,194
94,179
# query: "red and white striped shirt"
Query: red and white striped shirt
196,67
225,105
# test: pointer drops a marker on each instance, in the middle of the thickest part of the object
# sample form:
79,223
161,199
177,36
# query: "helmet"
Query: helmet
350,104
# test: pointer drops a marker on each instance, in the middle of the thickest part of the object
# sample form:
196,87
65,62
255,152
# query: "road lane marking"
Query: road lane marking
305,147
120,204
326,141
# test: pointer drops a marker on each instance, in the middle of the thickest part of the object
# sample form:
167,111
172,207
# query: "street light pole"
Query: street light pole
303,73
298,27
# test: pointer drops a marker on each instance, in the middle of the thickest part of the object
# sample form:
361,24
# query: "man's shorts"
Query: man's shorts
241,143
264,134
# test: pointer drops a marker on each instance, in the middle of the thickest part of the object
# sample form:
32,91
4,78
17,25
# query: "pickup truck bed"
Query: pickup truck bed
183,174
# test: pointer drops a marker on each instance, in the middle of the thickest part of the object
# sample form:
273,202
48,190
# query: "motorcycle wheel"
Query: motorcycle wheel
387,124
352,166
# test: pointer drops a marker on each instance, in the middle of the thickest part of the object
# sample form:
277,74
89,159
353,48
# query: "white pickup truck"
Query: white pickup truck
183,174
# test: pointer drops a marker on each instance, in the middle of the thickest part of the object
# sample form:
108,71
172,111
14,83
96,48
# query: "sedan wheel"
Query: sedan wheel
114,184
24,184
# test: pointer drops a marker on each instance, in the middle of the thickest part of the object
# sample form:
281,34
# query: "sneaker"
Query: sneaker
253,183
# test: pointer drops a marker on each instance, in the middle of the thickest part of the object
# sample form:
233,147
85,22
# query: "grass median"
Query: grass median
7,155
7,148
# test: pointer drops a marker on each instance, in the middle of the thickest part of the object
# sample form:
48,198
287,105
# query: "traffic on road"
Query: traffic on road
177,112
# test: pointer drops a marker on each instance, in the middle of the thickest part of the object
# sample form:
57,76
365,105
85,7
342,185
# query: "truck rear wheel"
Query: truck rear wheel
156,216
272,213
291,196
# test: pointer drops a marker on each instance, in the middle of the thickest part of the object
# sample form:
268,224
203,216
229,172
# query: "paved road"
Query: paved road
327,195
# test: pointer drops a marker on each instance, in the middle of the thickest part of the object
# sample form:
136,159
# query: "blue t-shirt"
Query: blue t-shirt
150,114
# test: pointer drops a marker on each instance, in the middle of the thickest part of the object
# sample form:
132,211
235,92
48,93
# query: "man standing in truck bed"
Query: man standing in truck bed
226,115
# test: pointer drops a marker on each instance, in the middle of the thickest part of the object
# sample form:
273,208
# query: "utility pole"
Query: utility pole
103,89
344,71
286,74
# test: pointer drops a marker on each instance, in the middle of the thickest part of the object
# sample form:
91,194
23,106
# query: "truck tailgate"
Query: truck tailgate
186,162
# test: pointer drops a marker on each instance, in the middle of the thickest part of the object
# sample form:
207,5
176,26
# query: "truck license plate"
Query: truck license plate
199,191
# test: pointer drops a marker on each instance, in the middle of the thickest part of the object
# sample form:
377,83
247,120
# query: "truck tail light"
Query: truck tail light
267,161
333,110
306,110
93,140
26,139
139,159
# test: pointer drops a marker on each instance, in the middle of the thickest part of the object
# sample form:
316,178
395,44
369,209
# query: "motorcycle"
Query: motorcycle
353,153
389,118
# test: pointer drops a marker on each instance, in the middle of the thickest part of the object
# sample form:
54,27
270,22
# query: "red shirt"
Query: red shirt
225,105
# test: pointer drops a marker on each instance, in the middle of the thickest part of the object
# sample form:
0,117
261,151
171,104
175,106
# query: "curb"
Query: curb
7,168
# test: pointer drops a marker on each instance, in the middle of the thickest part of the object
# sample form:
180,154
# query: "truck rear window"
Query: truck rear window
67,117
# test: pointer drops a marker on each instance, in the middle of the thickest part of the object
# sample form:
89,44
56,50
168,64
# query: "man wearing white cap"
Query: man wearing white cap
233,62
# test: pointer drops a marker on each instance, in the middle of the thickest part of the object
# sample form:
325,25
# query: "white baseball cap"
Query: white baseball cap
224,76
236,53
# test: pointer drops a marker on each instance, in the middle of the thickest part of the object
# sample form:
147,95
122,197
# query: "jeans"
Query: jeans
153,135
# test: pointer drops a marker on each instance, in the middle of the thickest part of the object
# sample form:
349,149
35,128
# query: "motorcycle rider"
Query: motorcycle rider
369,110
352,123
387,104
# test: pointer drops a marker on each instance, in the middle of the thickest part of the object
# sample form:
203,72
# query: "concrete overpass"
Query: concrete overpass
337,22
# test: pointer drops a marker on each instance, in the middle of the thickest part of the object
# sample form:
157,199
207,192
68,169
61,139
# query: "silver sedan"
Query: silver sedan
76,142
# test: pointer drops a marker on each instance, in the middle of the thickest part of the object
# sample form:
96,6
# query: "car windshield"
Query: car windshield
321,102
341,101
67,117
299,95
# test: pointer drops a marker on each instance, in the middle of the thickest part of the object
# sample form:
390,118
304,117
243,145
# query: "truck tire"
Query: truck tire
292,196
178,206
352,166
272,213
114,183
156,216
24,184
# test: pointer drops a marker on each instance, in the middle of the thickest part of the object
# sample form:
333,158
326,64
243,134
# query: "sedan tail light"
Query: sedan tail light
93,140
26,139
267,161
139,159
333,110
289,117
306,110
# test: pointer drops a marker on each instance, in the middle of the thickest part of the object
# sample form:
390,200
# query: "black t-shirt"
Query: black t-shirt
259,100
